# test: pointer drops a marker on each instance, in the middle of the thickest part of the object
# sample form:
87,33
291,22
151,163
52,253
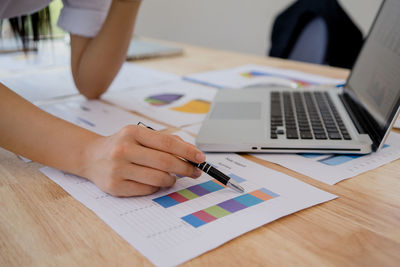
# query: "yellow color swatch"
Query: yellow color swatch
194,106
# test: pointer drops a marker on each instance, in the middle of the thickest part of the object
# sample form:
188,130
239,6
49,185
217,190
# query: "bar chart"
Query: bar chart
228,207
193,192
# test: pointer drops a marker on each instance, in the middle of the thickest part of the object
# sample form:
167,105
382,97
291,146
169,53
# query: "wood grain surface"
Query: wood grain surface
42,225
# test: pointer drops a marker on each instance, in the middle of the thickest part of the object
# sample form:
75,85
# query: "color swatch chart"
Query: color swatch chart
228,207
193,192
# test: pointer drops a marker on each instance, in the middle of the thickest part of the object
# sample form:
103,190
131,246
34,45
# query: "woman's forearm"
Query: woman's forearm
96,61
39,136
133,161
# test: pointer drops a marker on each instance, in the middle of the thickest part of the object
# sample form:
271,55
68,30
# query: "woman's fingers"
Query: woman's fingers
143,180
161,161
128,188
138,161
168,143
147,175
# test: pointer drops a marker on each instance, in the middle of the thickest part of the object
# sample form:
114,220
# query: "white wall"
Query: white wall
237,25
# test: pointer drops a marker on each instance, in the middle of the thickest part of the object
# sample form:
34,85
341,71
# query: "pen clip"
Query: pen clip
144,125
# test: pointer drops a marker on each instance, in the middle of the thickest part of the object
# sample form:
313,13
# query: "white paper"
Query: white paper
168,235
253,75
176,103
134,76
50,54
47,84
397,123
331,169
194,129
24,159
96,116
42,85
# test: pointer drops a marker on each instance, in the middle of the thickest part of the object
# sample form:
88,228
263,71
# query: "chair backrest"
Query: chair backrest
316,31
311,45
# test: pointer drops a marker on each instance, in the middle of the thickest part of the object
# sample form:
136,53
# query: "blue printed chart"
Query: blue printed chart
334,160
330,168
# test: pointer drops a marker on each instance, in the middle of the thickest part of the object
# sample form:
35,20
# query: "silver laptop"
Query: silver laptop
354,119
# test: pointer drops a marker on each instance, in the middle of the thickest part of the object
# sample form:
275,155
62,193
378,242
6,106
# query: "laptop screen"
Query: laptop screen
375,78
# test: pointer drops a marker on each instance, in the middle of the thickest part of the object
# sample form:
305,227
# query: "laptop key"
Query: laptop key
306,115
320,136
346,136
291,134
291,127
306,135
334,136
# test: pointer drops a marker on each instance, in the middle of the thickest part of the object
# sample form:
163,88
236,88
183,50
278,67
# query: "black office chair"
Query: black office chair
316,31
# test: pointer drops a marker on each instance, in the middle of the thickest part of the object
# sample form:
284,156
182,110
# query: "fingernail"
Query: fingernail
200,157
197,173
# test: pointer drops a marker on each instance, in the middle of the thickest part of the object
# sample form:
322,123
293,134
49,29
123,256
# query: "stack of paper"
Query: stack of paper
330,168
176,103
96,116
253,75
196,215
47,84
50,54
397,123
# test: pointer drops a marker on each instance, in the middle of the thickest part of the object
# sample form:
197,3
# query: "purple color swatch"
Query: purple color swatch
232,205
198,190
168,98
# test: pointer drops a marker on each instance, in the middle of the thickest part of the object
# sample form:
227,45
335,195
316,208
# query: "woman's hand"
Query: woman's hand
138,161
134,161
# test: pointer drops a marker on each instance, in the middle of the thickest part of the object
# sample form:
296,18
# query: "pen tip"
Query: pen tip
232,184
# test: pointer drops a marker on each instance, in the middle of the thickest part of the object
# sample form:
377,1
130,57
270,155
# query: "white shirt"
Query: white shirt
80,17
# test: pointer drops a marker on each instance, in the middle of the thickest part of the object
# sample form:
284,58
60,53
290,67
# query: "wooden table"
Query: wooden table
40,224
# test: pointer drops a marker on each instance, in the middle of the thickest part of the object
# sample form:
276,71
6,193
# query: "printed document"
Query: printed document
255,75
331,168
194,216
176,103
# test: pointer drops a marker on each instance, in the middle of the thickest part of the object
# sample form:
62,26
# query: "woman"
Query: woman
135,160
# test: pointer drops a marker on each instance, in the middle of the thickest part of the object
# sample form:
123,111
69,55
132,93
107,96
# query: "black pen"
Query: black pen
210,170
217,175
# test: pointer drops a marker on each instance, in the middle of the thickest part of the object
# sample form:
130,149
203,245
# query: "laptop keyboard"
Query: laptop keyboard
306,115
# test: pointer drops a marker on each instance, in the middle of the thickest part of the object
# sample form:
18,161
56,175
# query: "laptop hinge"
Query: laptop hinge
364,122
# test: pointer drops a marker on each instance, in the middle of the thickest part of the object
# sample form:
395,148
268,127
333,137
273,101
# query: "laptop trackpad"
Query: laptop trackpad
236,110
